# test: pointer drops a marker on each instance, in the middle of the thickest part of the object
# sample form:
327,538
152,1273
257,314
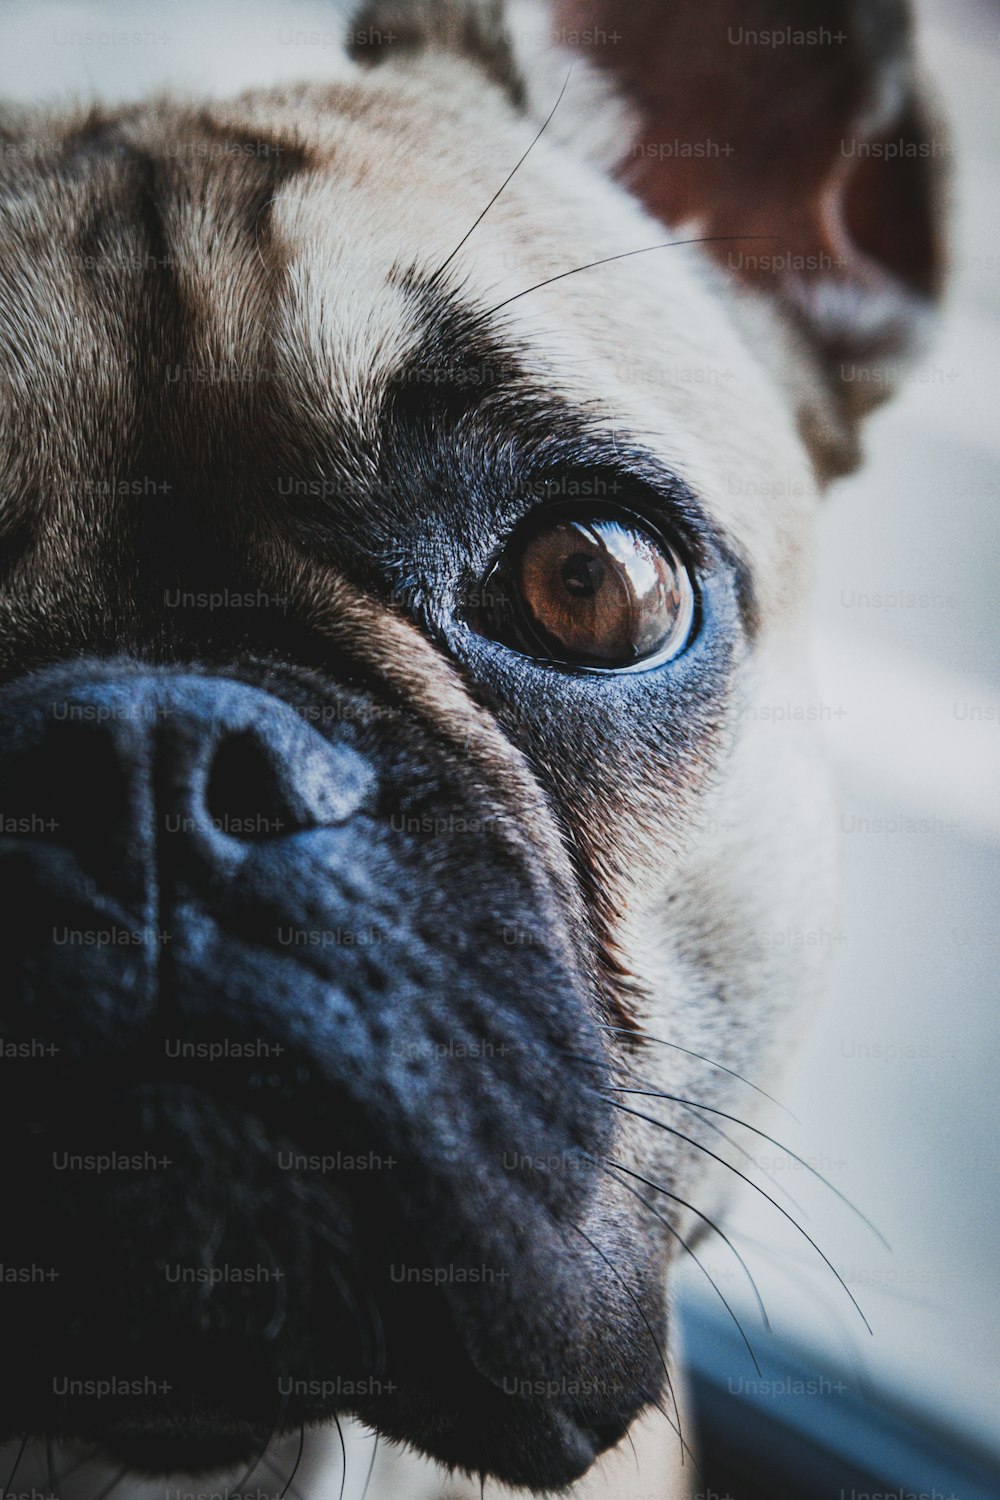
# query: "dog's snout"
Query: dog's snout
197,761
281,967
153,818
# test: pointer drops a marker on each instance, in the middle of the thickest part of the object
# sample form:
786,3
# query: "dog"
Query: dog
408,487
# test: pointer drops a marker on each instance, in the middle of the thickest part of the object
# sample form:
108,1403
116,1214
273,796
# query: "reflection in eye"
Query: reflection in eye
602,592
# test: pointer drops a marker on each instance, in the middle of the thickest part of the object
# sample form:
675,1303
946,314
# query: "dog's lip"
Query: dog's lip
469,1382
80,1470
570,1442
435,1409
167,1435
156,1448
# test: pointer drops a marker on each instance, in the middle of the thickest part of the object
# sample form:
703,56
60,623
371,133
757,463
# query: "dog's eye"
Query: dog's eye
594,591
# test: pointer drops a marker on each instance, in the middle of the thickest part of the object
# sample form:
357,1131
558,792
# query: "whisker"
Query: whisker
655,1341
700,1146
694,1256
371,1466
370,1329
660,1041
631,1443
626,1424
298,1460
76,1467
793,1265
606,260
277,1319
779,1145
689,1105
343,1455
17,1460
748,1155
435,279
112,1484
723,1236
54,1482
289,1488
245,1478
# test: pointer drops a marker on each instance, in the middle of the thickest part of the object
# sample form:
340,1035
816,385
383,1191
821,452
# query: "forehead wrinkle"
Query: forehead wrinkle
343,333
217,222
68,340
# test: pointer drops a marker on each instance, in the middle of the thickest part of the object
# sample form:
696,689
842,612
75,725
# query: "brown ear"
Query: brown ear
475,29
802,123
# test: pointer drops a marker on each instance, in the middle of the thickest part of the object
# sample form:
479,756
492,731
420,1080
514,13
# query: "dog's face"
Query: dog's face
393,630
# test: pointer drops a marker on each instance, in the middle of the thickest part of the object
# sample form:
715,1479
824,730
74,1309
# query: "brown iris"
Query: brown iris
602,592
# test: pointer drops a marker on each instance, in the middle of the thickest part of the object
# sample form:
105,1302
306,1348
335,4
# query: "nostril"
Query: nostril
102,768
76,785
244,794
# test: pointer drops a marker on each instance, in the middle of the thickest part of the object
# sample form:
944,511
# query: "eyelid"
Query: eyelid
524,479
638,509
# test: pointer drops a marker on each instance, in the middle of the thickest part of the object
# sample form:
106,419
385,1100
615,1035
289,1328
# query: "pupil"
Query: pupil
582,575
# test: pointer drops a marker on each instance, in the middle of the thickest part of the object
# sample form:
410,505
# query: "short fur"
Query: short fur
285,314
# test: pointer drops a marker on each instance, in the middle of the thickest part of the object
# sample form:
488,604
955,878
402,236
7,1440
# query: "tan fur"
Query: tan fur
693,875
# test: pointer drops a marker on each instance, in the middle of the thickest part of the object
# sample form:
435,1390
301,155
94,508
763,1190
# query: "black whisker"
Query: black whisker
723,1236
277,1319
75,1468
245,1478
736,1146
700,1146
371,1466
112,1484
655,1341
794,1265
54,1483
370,1329
779,1145
644,1036
17,1460
694,1256
343,1455
289,1488
606,260
631,1443
691,1105
295,1466
435,279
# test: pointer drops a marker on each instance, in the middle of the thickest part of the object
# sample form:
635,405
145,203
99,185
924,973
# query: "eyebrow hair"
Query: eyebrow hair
144,163
455,347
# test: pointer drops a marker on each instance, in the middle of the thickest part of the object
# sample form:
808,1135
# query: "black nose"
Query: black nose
163,767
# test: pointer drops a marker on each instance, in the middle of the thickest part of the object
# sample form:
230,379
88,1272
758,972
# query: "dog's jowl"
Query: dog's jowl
396,575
